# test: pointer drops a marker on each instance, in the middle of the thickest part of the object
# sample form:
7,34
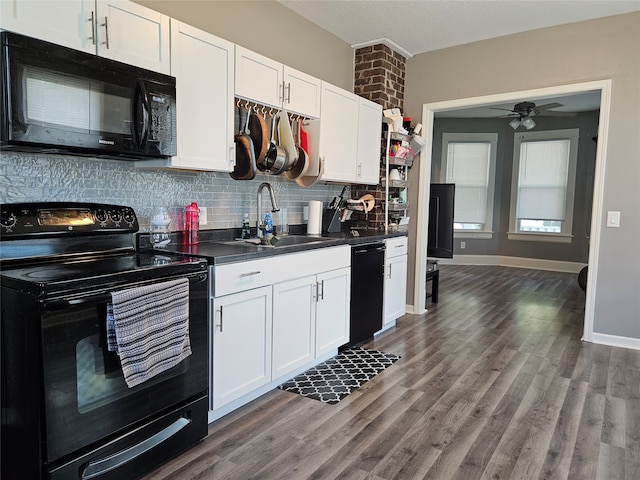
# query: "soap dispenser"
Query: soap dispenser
246,228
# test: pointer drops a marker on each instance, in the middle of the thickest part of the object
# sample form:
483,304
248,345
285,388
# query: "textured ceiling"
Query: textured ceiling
418,26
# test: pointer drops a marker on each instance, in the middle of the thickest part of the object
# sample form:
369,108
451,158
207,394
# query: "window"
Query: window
469,161
543,184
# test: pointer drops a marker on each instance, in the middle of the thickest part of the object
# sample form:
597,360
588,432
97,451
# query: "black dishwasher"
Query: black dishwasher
367,288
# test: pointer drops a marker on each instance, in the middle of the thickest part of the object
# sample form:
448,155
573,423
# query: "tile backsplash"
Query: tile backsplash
27,177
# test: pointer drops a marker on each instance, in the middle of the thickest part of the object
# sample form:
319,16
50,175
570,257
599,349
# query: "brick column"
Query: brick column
379,77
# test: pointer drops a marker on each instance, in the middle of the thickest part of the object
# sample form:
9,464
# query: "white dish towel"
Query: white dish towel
151,325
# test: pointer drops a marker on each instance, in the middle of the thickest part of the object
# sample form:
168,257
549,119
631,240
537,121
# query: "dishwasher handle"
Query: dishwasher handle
367,248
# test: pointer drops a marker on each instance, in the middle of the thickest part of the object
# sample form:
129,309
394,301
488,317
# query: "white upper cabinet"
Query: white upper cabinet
347,137
203,66
369,131
265,81
301,93
116,29
337,135
66,23
133,34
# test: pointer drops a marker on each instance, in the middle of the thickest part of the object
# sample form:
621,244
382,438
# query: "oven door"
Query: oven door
86,399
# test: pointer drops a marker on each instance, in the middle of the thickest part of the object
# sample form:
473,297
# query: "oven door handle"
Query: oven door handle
65,303
96,468
56,305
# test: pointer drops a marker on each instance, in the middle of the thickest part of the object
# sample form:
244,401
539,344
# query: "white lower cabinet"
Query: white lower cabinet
294,312
310,318
395,280
274,317
241,328
332,312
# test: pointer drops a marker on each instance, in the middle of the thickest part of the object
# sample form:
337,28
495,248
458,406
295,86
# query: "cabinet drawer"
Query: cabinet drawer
236,277
396,246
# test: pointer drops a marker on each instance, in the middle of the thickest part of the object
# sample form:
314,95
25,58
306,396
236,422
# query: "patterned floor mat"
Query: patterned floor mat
336,378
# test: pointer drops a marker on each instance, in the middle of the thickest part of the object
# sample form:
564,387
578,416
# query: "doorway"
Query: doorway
428,113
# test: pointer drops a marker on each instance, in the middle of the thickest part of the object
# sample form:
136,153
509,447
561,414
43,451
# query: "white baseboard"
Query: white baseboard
616,341
518,262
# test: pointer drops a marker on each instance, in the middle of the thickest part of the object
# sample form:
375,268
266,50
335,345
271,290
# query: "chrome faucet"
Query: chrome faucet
274,207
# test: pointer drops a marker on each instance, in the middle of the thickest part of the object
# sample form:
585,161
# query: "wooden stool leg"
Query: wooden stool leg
435,286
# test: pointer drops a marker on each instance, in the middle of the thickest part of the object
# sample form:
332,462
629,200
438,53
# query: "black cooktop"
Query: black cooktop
50,248
96,272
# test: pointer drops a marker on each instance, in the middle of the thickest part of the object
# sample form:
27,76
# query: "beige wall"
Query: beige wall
270,29
601,49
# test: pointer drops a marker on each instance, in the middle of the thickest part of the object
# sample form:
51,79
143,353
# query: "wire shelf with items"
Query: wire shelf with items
399,151
395,183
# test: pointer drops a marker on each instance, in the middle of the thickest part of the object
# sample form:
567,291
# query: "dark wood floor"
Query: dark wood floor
494,383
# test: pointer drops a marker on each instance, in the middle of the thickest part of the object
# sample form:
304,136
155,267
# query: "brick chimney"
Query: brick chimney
379,77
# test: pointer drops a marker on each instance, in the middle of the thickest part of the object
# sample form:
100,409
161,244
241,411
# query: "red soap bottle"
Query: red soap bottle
192,223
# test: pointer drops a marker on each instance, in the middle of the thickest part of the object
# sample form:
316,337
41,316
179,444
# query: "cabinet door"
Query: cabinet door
301,93
369,131
203,66
241,344
294,310
338,133
395,288
332,313
131,33
65,23
258,78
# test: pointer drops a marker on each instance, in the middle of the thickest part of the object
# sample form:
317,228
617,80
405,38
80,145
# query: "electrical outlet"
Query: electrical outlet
203,215
463,245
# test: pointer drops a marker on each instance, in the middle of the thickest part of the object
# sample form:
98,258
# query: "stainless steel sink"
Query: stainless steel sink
296,240
284,241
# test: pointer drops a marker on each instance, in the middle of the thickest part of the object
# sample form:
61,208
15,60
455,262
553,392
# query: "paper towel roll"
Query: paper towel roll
314,224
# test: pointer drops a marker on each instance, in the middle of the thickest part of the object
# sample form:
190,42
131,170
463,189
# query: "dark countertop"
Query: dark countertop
219,246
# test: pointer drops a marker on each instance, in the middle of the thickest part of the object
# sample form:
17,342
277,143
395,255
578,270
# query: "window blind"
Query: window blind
542,180
468,168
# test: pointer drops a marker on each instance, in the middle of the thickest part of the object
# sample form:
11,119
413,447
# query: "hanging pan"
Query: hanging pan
245,167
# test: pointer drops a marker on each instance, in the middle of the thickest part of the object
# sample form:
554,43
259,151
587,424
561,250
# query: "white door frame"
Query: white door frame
428,111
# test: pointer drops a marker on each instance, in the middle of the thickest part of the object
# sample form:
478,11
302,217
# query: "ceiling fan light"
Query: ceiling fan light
515,123
528,123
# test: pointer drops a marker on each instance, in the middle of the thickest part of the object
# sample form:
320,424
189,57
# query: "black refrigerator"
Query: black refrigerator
440,229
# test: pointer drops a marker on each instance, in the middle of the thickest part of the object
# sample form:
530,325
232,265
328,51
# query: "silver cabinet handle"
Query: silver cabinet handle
93,28
249,274
106,32
389,274
289,92
219,325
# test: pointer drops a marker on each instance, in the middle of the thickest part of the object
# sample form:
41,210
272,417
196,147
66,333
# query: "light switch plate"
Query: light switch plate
203,216
613,219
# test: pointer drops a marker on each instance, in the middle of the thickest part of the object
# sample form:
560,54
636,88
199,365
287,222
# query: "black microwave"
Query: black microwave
59,100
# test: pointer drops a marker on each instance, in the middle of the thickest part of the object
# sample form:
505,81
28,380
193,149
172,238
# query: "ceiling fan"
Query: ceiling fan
523,112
